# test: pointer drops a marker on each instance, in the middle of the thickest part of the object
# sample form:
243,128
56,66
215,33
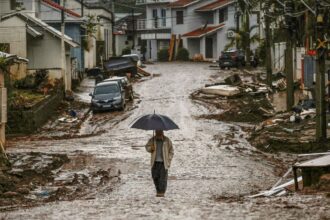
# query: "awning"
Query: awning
33,32
200,32
214,5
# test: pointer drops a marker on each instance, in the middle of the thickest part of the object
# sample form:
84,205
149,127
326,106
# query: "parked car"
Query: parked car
125,85
232,58
107,96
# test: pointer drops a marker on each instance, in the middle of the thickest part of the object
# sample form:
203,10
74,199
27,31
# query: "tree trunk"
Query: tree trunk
247,31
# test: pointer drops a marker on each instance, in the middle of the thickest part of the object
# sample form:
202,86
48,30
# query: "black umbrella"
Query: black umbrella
154,122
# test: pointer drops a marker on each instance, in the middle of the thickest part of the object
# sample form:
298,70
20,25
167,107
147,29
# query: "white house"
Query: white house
101,44
202,24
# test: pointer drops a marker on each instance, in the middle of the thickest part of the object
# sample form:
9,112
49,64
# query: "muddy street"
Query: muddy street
208,179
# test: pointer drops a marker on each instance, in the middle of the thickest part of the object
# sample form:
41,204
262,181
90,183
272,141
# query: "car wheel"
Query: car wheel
221,67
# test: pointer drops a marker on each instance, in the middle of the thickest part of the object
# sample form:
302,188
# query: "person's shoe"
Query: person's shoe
160,195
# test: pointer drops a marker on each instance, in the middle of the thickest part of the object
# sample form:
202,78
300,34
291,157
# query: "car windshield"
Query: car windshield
106,89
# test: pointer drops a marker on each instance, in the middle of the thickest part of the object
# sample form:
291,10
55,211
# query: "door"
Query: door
209,47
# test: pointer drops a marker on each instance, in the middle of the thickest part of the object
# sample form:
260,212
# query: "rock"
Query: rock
23,191
10,194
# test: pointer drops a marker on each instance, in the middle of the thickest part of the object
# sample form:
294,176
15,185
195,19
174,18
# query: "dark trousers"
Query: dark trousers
159,175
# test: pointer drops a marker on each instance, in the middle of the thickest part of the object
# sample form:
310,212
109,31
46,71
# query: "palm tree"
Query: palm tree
243,38
245,7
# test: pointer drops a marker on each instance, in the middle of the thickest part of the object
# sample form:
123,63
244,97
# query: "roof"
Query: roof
39,23
182,3
215,5
318,162
12,56
59,7
119,16
200,32
105,83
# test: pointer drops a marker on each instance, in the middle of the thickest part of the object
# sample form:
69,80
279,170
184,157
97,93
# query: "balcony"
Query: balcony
153,24
144,2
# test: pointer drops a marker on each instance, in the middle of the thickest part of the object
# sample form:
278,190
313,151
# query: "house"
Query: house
26,35
50,13
98,41
31,38
156,28
9,64
125,31
201,24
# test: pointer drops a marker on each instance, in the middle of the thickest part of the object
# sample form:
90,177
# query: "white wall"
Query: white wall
13,31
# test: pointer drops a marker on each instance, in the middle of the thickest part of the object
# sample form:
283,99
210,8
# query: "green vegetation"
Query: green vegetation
163,55
20,98
182,55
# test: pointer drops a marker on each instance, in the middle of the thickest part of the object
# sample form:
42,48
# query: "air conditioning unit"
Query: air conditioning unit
230,34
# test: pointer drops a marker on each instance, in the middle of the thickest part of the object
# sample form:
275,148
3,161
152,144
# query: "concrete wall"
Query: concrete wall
121,41
18,71
74,31
191,19
90,55
44,53
13,31
5,7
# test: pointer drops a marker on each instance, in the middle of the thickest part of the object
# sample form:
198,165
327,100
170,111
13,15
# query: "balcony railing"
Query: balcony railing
142,2
160,23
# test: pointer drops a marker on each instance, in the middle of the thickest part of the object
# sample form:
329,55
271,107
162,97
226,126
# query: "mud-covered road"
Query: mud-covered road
207,180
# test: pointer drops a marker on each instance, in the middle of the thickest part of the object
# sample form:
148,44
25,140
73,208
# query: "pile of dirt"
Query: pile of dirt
27,172
279,134
36,178
244,108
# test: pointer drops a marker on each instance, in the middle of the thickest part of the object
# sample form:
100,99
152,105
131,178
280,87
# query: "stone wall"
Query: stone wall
27,121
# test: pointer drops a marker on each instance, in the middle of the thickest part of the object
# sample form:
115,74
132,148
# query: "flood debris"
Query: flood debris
35,178
312,171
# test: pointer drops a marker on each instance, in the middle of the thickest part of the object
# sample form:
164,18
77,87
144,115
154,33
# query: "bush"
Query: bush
126,50
163,55
182,55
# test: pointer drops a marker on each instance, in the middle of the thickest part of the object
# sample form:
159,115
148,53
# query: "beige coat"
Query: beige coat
167,151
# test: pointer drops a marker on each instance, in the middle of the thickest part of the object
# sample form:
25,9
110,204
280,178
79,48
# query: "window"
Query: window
163,14
179,17
223,15
155,17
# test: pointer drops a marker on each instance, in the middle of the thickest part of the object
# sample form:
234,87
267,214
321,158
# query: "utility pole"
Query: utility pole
65,75
237,14
321,125
113,23
289,7
133,23
268,45
82,7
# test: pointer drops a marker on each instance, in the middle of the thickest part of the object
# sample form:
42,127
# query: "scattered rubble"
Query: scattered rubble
35,178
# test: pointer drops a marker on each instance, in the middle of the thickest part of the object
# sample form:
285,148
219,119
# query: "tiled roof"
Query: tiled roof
57,6
181,3
200,32
215,5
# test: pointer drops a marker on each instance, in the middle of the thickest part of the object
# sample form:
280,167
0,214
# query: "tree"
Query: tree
246,7
243,37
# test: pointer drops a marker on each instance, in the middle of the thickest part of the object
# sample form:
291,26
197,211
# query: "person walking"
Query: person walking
161,150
